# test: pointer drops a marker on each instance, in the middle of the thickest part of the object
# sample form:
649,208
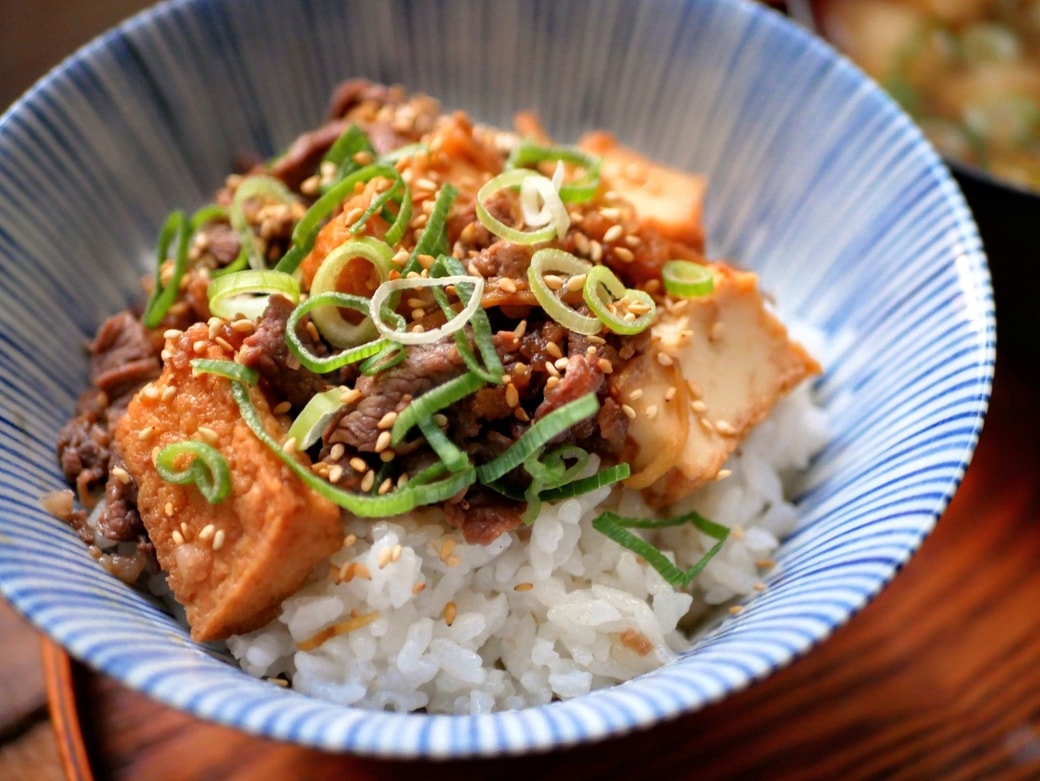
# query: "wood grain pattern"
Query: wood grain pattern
939,677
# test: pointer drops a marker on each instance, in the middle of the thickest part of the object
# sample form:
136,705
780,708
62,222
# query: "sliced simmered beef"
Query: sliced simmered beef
483,515
124,357
266,351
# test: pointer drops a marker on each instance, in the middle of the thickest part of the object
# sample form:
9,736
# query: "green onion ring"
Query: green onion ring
247,292
208,469
327,319
254,187
617,529
434,401
512,178
528,153
600,279
605,476
162,298
480,325
549,259
687,279
310,424
328,363
222,368
543,430
401,336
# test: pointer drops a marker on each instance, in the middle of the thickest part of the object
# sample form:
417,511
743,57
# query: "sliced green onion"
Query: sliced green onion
323,364
327,319
306,231
176,228
433,240
223,368
344,149
259,186
492,369
687,279
449,453
432,402
617,528
401,336
528,153
556,260
514,178
543,430
209,213
541,204
388,357
401,500
207,469
606,476
403,152
600,280
247,292
313,419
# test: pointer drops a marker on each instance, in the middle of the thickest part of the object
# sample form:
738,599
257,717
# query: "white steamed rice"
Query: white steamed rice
581,625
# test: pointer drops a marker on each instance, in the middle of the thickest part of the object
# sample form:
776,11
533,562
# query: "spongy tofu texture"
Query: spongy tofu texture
274,529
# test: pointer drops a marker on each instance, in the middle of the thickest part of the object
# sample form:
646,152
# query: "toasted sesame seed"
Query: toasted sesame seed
169,392
451,610
384,557
595,251
145,433
358,464
383,441
207,531
581,243
561,363
512,395
735,609
651,411
552,382
368,481
199,346
553,281
440,419
553,349
507,285
336,451
418,588
387,421
177,537
208,435
523,587
149,391
386,486
521,414
172,333
706,424
624,254
289,446
576,283
725,428
396,551
723,474
447,549
121,475
596,339
698,406
670,393
613,233
765,563
387,456
760,586
665,359
335,473
636,395
361,571
605,366
350,395
551,369
629,412
281,408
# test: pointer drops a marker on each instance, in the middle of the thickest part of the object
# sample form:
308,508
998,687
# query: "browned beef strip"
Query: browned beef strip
353,92
424,367
302,157
483,515
266,351
503,259
124,356
219,241
120,519
84,445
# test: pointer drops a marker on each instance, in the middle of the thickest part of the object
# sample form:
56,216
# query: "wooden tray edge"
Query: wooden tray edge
61,701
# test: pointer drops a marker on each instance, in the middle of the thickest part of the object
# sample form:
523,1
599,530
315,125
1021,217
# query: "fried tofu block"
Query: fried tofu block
230,564
728,360
667,199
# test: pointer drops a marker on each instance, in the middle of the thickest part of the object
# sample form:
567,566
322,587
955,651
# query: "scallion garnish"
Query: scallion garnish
344,151
549,260
540,432
629,310
687,279
310,424
617,528
388,357
608,475
492,369
247,292
206,468
528,153
432,402
455,323
259,186
324,364
449,453
514,178
229,369
176,228
433,240
327,319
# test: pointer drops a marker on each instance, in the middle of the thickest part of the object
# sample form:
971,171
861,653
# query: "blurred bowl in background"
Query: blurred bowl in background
881,37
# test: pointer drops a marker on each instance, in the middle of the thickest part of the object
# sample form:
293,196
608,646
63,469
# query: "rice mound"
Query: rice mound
552,612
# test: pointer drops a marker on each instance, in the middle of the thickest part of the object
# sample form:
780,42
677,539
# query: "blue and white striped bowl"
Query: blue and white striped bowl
817,182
